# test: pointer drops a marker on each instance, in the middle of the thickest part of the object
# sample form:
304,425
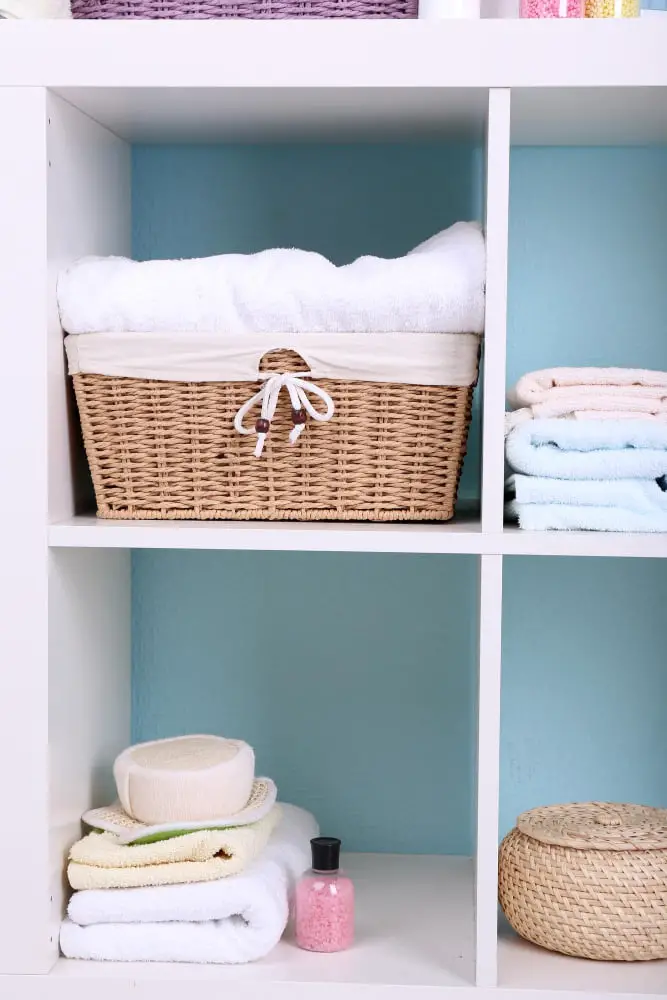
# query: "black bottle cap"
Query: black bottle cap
326,854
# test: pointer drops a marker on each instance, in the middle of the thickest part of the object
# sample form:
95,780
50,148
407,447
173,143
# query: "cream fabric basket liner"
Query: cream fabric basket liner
448,359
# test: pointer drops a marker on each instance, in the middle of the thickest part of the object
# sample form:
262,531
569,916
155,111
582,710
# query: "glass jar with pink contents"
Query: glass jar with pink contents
325,901
552,8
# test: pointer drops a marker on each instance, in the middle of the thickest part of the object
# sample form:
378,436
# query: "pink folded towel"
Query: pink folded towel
589,393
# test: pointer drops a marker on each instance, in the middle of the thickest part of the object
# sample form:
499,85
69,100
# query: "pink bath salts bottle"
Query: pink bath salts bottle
325,901
552,8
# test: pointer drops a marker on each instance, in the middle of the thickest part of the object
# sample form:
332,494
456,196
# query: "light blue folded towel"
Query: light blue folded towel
589,449
570,517
643,496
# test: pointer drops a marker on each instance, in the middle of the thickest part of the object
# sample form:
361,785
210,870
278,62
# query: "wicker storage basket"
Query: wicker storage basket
254,9
588,879
169,450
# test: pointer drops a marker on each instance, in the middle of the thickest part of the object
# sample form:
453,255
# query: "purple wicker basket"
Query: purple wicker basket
256,9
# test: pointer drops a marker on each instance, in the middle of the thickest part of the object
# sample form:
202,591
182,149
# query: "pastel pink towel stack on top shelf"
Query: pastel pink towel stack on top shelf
588,449
589,394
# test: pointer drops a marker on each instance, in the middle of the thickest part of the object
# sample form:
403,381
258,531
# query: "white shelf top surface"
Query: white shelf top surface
462,536
413,924
524,966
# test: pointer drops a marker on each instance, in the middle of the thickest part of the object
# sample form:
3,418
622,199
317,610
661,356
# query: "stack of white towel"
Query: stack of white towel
235,919
588,450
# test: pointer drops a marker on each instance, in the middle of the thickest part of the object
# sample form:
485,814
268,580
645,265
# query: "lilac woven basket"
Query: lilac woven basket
256,9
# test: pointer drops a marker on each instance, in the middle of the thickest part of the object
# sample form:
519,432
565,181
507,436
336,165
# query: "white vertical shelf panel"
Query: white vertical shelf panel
89,695
497,224
88,212
24,936
488,768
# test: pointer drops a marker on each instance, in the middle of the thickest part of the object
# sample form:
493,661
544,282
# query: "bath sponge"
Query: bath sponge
185,779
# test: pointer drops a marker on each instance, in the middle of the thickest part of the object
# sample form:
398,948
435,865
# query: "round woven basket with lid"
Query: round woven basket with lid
588,879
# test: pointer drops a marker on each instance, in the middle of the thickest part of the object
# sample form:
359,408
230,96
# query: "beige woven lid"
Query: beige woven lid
604,826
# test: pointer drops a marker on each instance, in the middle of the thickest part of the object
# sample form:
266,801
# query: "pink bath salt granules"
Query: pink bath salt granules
325,901
552,8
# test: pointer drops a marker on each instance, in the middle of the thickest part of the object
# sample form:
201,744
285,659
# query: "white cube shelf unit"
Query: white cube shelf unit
73,97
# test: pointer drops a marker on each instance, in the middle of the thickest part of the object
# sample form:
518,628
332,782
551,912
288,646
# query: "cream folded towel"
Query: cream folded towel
586,393
101,861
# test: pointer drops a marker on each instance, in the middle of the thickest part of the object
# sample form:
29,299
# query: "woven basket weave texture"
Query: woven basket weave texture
253,9
169,450
589,880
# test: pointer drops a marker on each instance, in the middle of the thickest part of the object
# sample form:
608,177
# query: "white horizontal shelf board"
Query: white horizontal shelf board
583,543
463,535
524,966
589,117
486,53
414,927
235,114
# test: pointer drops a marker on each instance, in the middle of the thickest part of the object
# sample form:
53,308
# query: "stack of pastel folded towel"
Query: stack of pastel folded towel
194,863
587,448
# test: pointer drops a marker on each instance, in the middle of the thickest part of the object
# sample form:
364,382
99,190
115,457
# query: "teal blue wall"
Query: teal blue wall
584,683
354,676
588,258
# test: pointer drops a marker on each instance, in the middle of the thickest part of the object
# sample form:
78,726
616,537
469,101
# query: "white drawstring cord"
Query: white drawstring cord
298,389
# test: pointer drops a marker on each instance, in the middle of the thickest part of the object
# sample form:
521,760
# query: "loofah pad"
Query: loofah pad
130,831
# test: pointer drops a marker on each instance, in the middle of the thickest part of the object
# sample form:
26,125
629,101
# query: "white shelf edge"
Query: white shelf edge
583,543
452,53
86,532
464,538
497,183
489,619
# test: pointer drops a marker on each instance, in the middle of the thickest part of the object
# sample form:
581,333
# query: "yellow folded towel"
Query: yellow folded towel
100,861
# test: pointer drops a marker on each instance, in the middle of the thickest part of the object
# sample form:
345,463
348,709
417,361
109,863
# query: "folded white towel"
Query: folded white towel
438,288
36,8
596,449
568,517
582,393
233,920
644,496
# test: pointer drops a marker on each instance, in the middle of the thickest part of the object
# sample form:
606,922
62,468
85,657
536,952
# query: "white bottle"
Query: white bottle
443,10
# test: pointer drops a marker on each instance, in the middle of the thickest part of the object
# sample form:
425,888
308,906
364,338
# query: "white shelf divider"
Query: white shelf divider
24,749
488,769
495,336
